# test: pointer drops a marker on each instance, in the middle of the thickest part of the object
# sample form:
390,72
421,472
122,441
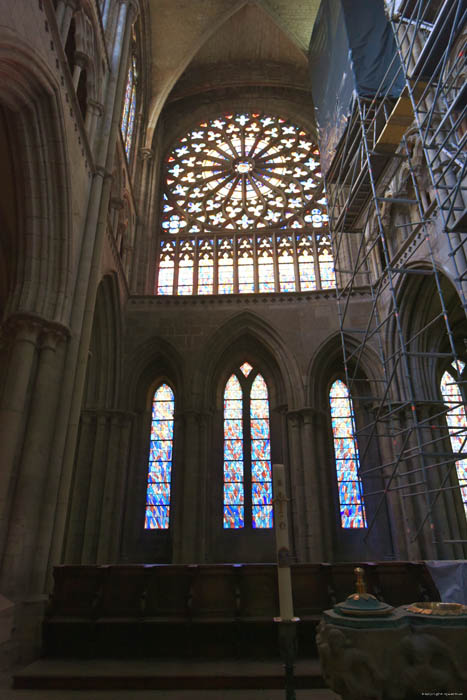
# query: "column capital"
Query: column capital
146,154
31,327
96,107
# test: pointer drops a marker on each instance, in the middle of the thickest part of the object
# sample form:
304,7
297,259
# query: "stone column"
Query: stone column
204,449
191,489
297,505
312,490
95,110
324,456
110,526
88,277
21,333
65,15
120,487
146,156
96,490
32,472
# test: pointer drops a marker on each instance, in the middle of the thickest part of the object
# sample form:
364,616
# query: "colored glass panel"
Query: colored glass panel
185,277
233,517
233,455
226,276
245,369
160,460
286,273
261,479
262,516
266,275
352,509
157,518
166,277
246,275
456,420
205,277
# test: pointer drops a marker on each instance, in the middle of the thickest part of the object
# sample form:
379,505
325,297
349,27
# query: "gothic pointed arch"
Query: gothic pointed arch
40,255
248,336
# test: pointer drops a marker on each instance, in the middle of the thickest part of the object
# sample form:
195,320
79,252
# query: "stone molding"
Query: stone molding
34,328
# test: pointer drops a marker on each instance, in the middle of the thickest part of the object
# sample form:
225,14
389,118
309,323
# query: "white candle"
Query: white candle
281,528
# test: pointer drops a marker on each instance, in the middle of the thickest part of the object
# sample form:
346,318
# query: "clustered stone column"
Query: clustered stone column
36,364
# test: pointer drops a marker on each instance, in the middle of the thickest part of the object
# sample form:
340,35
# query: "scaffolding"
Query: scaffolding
396,192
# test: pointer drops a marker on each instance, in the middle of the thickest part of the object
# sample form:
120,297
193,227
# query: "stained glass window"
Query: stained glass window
127,124
252,184
352,507
160,460
457,425
247,452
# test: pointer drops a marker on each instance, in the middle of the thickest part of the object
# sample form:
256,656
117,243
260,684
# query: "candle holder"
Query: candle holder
288,648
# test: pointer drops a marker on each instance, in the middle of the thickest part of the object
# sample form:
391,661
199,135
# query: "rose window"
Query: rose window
244,199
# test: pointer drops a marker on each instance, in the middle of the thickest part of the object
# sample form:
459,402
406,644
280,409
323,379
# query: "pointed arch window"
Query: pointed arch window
247,452
456,419
352,507
160,460
127,123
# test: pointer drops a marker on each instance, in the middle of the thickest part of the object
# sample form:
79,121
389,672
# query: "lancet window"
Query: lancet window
247,452
160,460
352,507
127,124
247,188
457,423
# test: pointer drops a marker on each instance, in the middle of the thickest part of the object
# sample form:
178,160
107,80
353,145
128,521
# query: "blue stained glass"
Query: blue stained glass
160,460
261,471
233,493
233,429
346,455
162,430
260,450
158,494
161,451
233,450
352,516
232,408
262,493
259,429
349,492
259,408
259,389
262,516
233,471
159,471
233,517
157,518
346,470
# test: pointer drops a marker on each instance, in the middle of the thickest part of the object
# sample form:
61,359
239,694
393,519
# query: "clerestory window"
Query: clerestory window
244,210
127,124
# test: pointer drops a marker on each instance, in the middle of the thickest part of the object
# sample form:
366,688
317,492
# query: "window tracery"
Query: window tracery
247,451
352,507
249,186
160,460
456,419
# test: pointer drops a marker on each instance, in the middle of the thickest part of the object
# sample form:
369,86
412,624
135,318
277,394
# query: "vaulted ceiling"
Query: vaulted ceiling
203,45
